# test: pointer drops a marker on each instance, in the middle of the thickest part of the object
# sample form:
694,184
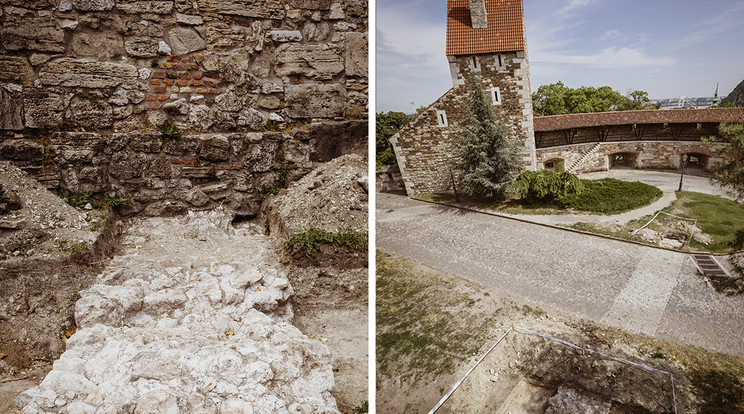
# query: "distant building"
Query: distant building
485,38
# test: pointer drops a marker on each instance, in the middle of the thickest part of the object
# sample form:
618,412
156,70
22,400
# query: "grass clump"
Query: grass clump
310,242
546,186
97,200
169,131
74,249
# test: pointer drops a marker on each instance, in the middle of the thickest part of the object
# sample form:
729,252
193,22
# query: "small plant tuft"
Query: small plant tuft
267,191
310,241
272,125
169,131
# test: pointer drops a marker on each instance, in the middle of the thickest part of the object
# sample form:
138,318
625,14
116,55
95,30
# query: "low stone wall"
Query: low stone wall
645,154
162,175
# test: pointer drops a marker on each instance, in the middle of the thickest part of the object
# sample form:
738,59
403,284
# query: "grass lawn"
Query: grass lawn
720,218
603,196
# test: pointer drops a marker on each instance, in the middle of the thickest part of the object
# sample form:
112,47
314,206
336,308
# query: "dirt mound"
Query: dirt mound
331,197
35,222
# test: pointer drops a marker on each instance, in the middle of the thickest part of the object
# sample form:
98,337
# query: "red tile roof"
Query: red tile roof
672,116
505,31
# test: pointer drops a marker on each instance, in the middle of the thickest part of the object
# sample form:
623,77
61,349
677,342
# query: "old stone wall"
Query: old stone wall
84,84
641,154
164,175
424,146
203,64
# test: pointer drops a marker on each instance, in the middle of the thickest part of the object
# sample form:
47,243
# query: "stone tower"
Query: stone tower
485,38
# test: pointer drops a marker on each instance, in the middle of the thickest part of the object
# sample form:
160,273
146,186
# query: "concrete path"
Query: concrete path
636,288
668,182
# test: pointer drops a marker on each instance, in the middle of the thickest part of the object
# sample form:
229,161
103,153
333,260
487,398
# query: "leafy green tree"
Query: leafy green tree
546,186
488,159
558,99
388,124
730,174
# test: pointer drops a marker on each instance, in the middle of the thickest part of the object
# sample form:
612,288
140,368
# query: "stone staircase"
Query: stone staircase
575,166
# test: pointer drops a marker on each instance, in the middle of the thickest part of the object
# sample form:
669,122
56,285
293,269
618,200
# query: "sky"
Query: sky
668,48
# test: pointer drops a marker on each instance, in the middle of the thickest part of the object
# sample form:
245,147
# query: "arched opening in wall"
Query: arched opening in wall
696,162
623,160
553,163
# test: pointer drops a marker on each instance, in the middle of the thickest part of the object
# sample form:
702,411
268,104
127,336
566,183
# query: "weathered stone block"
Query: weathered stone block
320,62
90,111
264,9
21,150
284,36
189,19
29,30
215,148
146,142
252,118
98,44
270,102
311,4
355,55
16,69
36,4
220,36
11,108
145,47
87,74
202,117
145,6
228,101
42,108
93,5
315,100
177,107
185,40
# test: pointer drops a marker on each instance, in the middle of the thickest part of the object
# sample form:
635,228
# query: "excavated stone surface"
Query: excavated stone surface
569,401
188,319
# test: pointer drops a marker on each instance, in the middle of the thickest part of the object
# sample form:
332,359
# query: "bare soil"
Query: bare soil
525,372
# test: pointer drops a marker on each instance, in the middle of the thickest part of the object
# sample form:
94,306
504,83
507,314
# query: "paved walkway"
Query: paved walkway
635,288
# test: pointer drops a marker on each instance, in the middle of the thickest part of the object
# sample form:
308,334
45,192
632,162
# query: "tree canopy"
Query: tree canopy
488,159
558,99
388,124
731,172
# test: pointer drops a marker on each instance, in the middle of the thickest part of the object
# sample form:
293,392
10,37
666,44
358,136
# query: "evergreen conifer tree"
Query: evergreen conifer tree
488,159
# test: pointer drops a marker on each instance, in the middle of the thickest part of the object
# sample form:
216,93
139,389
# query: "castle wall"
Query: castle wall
645,154
84,83
204,64
423,147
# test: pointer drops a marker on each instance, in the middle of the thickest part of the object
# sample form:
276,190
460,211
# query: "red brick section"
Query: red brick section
505,31
672,116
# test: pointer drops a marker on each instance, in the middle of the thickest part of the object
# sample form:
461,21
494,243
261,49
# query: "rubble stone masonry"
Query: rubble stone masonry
118,68
424,146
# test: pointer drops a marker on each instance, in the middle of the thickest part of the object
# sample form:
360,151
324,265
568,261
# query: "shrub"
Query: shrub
609,195
546,185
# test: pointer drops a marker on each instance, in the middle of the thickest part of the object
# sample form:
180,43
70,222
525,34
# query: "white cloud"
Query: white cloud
715,26
608,58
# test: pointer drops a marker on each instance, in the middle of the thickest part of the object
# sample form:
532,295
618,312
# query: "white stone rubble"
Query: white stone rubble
188,319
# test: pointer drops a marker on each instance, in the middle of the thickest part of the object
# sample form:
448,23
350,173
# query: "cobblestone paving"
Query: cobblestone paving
636,288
